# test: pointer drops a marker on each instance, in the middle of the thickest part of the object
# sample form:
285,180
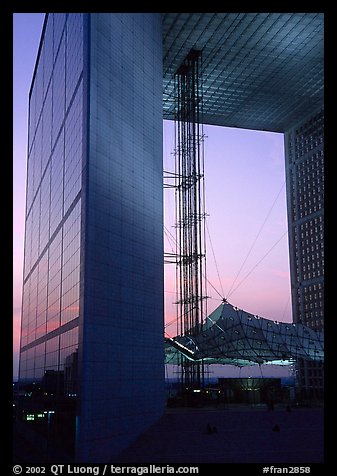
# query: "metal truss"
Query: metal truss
190,212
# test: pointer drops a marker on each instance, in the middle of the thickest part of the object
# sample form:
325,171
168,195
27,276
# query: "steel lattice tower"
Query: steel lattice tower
190,209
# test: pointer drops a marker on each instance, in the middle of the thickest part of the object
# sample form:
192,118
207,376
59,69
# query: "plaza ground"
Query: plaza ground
244,434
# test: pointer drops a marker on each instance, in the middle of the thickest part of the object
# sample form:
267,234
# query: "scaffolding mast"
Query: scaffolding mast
190,211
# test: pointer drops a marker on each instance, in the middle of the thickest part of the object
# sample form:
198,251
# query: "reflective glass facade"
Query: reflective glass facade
51,290
122,379
92,318
304,148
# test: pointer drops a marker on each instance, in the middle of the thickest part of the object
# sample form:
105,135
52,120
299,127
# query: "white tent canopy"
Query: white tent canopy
236,337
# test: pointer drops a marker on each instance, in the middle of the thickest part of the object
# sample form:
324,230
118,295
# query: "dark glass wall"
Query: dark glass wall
92,317
50,311
122,363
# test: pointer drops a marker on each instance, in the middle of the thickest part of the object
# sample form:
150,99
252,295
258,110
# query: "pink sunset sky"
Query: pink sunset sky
245,201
